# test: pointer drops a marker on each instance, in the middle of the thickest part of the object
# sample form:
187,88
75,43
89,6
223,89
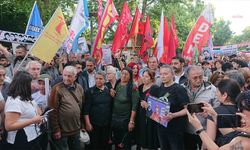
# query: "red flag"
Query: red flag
147,40
121,34
135,24
173,42
135,27
164,56
155,50
161,49
99,11
173,27
198,35
141,27
109,16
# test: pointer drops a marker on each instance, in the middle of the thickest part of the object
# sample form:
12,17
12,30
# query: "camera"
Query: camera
195,107
228,121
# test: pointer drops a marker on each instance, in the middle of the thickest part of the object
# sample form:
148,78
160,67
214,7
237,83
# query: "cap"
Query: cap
43,76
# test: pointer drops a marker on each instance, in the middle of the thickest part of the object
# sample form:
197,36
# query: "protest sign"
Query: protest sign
157,110
106,59
18,38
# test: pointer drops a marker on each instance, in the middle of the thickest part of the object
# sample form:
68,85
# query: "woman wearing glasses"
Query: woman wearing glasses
216,77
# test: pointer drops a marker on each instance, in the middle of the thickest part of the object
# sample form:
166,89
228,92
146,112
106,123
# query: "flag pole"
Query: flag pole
35,42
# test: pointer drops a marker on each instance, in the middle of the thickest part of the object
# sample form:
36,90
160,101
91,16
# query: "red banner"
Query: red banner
198,36
147,41
121,34
173,42
135,24
135,27
109,16
141,27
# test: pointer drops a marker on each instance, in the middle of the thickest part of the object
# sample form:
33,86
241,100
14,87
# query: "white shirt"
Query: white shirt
27,110
1,97
177,78
40,99
91,79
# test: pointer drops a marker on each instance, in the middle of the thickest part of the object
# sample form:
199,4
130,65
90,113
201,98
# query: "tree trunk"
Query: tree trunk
46,3
144,7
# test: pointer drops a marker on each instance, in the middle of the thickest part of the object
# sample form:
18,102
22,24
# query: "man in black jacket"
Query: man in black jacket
178,64
89,72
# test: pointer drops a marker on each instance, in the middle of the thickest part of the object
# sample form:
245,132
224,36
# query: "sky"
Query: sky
236,11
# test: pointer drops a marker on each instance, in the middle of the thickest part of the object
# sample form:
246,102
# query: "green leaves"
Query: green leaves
14,16
221,32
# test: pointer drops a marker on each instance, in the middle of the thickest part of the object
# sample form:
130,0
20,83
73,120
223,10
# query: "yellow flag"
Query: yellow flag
51,38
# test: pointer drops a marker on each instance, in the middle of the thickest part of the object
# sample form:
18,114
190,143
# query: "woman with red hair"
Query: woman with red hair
135,68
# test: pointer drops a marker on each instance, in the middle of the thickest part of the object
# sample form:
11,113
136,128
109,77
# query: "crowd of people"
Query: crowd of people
110,102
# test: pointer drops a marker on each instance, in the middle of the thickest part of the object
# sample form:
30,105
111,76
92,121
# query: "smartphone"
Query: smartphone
195,107
46,112
228,121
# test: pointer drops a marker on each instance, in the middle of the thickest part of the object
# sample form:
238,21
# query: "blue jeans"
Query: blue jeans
68,142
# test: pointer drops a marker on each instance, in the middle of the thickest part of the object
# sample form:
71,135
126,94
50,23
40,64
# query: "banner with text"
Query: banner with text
199,34
18,38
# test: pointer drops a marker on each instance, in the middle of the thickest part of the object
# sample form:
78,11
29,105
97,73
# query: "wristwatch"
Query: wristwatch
199,131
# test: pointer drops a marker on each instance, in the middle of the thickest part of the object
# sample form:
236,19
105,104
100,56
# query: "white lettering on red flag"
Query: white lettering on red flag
199,34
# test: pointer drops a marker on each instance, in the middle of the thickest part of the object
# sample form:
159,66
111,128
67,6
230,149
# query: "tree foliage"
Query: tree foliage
244,37
14,16
221,32
185,12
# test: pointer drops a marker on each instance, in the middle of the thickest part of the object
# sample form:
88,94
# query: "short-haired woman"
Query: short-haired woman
227,91
98,113
172,136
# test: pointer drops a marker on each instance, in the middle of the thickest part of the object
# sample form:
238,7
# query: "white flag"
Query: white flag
160,44
78,25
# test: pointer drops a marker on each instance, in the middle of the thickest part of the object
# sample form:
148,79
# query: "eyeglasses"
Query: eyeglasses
220,72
